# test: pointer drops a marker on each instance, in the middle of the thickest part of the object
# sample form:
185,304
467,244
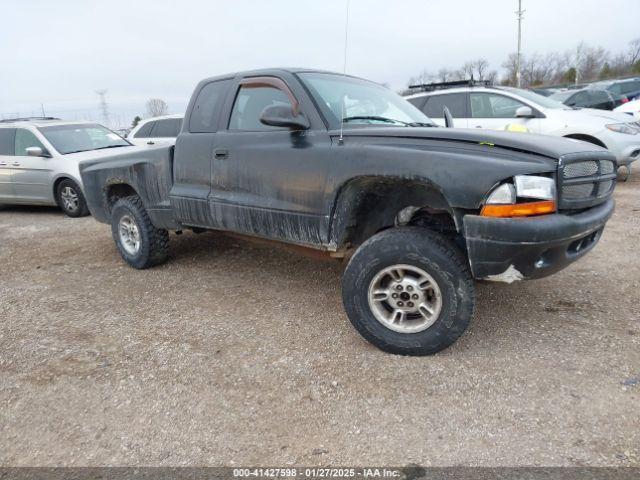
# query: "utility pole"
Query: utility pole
103,106
42,107
519,13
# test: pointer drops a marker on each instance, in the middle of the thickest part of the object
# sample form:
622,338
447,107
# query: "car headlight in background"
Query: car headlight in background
537,196
623,128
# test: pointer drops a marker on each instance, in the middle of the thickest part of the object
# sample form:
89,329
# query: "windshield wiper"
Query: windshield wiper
374,117
421,124
110,146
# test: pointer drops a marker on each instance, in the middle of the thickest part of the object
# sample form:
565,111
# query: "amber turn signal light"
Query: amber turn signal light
519,209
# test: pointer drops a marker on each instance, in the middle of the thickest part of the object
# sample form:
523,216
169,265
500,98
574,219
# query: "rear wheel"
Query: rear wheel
139,242
409,291
70,199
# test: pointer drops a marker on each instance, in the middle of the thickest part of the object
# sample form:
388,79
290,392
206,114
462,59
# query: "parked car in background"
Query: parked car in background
123,132
346,166
39,160
156,131
506,108
597,98
631,108
545,92
629,87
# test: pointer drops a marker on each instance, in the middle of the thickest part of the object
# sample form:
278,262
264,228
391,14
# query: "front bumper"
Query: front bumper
626,148
508,249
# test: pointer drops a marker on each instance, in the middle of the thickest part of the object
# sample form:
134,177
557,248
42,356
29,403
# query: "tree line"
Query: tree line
584,63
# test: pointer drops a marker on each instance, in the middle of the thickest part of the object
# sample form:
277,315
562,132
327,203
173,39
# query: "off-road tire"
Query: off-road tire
154,242
426,250
79,210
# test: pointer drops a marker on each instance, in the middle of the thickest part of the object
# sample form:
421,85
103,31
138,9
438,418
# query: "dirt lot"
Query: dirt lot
235,354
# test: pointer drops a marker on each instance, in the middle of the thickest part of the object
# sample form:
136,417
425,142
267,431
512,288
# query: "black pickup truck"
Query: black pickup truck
344,165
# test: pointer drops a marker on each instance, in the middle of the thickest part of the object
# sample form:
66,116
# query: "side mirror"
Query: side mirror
283,116
524,112
37,152
448,118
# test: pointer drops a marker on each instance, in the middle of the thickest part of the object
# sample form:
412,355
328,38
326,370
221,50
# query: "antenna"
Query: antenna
344,71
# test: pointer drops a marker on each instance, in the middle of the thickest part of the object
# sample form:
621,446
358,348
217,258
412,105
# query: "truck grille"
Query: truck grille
583,182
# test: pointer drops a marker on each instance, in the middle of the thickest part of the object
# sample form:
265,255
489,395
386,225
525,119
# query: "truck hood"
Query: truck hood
104,153
548,146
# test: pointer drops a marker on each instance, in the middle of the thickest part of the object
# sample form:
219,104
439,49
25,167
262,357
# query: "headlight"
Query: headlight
623,128
529,186
504,199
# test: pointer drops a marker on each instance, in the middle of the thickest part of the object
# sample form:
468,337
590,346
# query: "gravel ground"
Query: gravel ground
237,353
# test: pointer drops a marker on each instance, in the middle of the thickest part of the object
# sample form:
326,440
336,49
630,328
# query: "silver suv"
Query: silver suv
39,160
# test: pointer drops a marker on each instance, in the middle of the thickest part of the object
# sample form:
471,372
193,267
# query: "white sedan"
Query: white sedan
156,130
505,108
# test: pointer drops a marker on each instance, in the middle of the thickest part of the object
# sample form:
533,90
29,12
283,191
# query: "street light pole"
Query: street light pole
519,54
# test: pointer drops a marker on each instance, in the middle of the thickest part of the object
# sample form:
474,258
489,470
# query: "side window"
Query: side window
418,102
145,130
492,105
206,107
628,87
580,99
599,96
167,128
24,140
249,104
615,88
6,140
455,102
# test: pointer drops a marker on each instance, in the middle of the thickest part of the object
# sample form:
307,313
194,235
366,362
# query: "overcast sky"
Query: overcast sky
57,53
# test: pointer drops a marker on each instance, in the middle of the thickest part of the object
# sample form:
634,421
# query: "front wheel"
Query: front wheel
70,199
409,291
140,243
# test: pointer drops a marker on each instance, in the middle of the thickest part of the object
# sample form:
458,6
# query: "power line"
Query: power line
103,106
520,14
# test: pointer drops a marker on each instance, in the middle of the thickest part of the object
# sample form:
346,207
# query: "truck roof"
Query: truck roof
271,71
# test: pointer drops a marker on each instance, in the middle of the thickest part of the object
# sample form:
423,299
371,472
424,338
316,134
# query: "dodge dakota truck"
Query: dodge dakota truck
344,165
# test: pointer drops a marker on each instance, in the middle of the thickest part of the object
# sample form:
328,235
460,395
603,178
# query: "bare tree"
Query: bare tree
510,66
634,51
156,107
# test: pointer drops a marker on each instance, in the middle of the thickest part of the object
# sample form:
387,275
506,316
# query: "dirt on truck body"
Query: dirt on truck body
340,164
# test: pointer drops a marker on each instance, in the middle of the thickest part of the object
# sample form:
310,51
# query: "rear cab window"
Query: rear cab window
204,115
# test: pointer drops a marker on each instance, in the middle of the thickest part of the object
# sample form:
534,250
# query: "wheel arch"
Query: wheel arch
368,204
586,138
59,179
116,189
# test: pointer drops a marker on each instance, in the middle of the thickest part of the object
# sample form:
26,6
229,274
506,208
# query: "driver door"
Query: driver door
269,181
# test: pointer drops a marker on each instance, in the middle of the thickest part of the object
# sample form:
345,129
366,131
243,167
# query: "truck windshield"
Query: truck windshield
81,137
358,101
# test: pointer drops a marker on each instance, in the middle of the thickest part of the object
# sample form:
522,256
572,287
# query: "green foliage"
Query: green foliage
606,72
569,75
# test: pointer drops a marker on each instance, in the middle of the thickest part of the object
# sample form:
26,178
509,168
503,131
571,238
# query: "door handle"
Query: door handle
151,143
16,164
478,126
221,154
